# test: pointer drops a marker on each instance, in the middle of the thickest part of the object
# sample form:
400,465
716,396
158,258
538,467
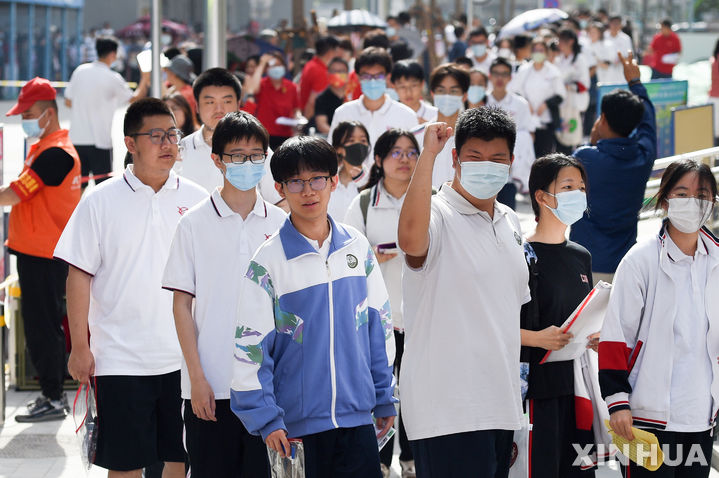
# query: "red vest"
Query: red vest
35,225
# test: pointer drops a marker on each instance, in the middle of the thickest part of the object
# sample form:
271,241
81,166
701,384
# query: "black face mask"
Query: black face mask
355,154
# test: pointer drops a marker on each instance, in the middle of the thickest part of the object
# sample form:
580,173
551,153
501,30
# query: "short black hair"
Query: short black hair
236,126
666,23
676,171
521,41
486,123
303,153
106,45
458,31
479,31
344,130
216,77
374,56
346,44
463,60
400,50
499,61
545,171
449,69
171,52
615,18
141,109
376,38
409,69
403,18
326,43
339,60
623,110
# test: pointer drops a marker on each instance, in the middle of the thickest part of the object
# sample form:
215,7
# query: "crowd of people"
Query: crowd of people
281,256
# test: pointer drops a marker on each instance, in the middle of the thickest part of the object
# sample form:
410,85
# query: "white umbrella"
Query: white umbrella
356,18
530,20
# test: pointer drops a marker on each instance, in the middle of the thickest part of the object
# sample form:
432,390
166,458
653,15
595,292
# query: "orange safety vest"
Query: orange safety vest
35,225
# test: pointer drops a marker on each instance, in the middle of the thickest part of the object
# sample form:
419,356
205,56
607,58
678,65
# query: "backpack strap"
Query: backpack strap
365,197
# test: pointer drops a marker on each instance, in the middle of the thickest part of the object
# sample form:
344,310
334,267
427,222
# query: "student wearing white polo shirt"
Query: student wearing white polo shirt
237,220
116,244
375,213
463,286
217,92
374,109
351,141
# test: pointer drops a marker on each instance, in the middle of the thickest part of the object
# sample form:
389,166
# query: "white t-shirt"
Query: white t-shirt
483,65
96,92
537,86
443,170
601,51
427,112
197,164
209,256
392,114
120,233
381,228
461,316
690,397
620,43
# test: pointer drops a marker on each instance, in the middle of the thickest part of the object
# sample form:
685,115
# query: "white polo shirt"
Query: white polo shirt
197,164
120,234
392,114
427,112
483,65
461,318
96,92
537,86
267,183
209,255
342,197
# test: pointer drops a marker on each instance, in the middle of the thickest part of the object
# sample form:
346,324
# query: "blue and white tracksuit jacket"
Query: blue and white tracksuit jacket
314,347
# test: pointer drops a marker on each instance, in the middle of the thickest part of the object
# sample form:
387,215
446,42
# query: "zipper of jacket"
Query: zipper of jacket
333,377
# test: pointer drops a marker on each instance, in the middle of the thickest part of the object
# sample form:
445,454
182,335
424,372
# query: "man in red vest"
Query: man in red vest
42,198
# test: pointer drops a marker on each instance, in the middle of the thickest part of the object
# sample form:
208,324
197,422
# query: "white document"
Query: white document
587,319
670,58
292,122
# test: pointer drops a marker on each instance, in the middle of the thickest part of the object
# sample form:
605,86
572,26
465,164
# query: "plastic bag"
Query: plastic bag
519,462
291,467
84,413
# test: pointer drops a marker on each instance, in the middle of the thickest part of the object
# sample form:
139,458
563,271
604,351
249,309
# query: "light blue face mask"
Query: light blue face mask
244,176
391,31
392,93
570,206
373,89
483,179
276,72
31,127
479,50
448,104
475,93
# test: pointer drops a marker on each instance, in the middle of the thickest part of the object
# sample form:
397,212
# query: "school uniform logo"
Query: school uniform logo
267,236
352,261
182,210
584,278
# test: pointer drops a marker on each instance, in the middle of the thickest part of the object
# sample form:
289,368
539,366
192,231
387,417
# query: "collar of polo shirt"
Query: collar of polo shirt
465,207
173,180
223,210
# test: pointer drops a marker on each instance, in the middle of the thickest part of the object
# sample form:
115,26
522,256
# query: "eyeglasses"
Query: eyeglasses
504,74
239,158
318,183
157,135
410,154
378,76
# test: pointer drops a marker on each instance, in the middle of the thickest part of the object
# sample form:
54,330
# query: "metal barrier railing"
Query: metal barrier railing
708,156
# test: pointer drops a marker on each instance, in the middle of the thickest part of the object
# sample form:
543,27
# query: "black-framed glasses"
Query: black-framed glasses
367,76
239,158
318,183
409,154
158,135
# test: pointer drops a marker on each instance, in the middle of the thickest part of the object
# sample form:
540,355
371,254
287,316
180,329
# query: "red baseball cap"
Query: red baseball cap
37,89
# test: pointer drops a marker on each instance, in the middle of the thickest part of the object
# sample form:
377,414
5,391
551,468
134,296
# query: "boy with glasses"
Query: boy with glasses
314,346
237,220
116,243
374,109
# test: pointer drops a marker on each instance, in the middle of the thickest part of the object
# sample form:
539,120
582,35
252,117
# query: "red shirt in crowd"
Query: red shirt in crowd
314,78
663,45
275,102
354,89
187,93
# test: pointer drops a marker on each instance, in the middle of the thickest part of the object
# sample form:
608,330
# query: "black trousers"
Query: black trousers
223,448
508,195
481,454
686,455
42,282
545,142
405,453
342,453
95,161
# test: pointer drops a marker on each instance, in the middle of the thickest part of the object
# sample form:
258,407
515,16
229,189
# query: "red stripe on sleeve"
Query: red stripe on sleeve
613,355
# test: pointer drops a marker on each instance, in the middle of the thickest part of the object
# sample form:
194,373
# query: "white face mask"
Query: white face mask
689,214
